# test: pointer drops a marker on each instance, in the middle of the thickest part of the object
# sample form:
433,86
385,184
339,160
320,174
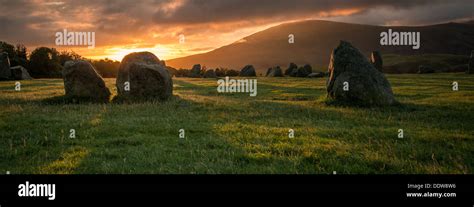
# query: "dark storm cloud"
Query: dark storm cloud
448,11
202,11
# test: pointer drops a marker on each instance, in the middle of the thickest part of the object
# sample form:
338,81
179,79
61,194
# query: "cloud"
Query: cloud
448,11
206,23
212,11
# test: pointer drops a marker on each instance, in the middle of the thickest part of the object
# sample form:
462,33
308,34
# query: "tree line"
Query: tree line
44,62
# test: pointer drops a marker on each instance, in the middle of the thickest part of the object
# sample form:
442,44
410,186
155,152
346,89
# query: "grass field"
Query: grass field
236,133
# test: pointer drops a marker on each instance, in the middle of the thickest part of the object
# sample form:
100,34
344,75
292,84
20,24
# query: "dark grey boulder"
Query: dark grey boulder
292,67
274,72
316,75
423,69
376,60
470,70
5,73
147,77
210,74
248,71
304,71
367,86
82,81
20,73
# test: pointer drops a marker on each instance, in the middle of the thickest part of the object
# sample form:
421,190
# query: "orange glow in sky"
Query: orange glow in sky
117,53
169,48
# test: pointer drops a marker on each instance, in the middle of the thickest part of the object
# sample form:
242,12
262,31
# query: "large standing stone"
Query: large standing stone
210,74
5,73
354,80
290,69
82,81
20,73
248,71
274,72
376,60
304,71
146,77
471,64
195,71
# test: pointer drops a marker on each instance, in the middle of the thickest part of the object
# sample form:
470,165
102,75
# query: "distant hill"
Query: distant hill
315,39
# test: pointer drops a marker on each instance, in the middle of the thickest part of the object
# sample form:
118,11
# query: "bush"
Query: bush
44,63
106,68
65,56
183,73
231,72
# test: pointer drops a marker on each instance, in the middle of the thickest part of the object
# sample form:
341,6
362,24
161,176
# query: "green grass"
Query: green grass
236,133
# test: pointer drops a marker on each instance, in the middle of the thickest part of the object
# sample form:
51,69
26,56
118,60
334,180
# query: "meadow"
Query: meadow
236,133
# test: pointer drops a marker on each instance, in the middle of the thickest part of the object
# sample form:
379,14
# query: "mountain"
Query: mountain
315,39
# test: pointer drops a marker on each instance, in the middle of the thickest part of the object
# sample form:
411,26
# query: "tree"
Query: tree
107,68
10,49
21,56
231,72
183,73
65,56
44,63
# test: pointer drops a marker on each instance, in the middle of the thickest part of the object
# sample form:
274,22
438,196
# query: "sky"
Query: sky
124,26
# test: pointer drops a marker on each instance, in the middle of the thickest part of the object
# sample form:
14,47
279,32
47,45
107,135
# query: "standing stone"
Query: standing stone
248,71
471,64
304,71
147,77
195,71
274,72
366,86
5,73
210,74
20,73
290,69
376,60
82,81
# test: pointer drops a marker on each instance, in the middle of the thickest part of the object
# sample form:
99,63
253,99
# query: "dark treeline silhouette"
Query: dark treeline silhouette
44,62
106,67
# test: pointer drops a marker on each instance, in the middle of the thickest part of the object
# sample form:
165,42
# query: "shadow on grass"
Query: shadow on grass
59,100
353,103
144,138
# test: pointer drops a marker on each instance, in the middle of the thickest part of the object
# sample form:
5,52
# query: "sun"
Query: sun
117,53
